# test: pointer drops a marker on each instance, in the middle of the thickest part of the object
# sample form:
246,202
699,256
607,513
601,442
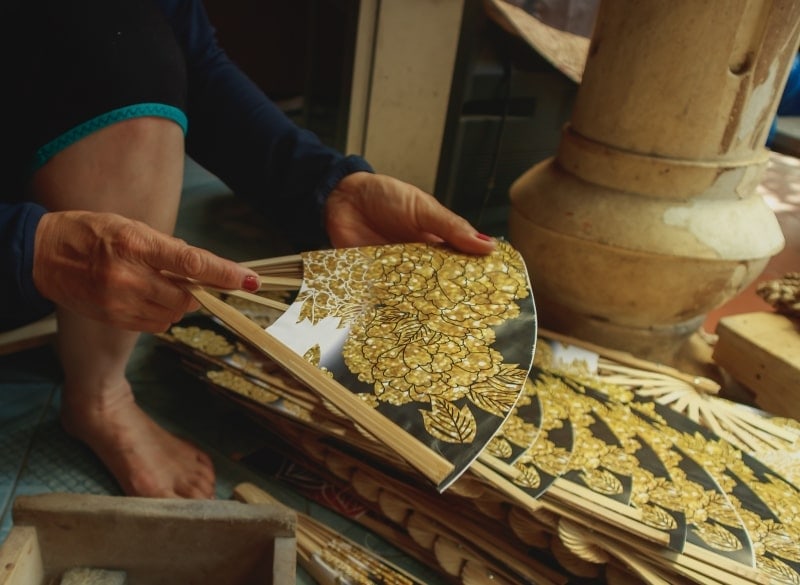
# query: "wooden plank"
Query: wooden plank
21,558
28,336
762,351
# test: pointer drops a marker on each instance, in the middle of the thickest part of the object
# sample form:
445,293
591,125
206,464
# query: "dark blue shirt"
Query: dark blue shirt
234,131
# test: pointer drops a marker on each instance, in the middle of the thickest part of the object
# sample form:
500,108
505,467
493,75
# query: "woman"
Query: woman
103,99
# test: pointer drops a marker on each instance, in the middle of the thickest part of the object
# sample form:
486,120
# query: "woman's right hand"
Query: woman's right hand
123,272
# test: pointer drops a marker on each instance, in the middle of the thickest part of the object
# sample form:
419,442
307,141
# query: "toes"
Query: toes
199,482
147,486
198,487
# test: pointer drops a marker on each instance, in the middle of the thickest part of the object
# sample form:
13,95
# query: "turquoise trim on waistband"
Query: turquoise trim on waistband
69,137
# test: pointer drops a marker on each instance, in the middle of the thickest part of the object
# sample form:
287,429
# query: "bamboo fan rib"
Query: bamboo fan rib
424,348
702,384
329,557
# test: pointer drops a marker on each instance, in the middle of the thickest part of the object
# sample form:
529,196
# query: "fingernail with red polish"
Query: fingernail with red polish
484,237
251,283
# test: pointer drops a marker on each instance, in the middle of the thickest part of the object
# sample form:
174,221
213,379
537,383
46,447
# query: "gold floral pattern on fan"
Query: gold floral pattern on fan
743,494
546,454
203,340
517,431
422,325
659,499
240,385
768,505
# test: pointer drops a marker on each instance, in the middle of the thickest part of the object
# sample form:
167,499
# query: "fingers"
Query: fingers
436,219
434,222
165,253
115,270
367,209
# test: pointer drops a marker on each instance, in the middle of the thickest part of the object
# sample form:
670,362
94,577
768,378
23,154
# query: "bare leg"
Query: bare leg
134,168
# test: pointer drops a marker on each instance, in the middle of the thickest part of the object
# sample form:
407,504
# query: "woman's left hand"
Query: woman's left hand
371,209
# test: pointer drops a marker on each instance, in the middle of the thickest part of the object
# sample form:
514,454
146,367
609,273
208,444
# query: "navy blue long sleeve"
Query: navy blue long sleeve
19,298
244,139
234,131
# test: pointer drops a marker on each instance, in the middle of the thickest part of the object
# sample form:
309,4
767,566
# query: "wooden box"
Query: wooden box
762,351
154,541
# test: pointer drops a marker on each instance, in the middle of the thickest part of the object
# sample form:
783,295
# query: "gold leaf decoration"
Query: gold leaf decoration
355,565
717,536
499,447
496,401
446,422
778,570
720,510
312,355
421,323
528,477
662,499
781,542
602,481
518,431
242,386
551,459
617,460
658,517
203,340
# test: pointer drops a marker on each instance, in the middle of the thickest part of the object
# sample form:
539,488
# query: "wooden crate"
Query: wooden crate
154,541
762,351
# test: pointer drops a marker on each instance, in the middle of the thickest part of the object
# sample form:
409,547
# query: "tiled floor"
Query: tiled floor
36,455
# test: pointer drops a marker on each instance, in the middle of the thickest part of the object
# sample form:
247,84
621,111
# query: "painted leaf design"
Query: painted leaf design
446,422
391,315
528,477
202,339
552,460
716,536
241,385
509,376
499,447
313,355
603,481
617,460
410,331
720,509
518,431
780,543
658,517
778,570
496,401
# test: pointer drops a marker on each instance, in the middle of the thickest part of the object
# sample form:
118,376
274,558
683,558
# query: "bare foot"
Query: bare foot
145,459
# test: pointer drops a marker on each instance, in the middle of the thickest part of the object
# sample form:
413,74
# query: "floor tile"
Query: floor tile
22,408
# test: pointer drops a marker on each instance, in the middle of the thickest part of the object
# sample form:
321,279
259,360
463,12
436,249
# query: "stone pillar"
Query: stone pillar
648,217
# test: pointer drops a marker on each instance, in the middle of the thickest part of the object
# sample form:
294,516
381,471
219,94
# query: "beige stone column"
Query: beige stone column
648,218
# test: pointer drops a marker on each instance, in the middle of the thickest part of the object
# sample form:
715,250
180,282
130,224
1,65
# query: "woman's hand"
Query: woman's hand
123,272
369,209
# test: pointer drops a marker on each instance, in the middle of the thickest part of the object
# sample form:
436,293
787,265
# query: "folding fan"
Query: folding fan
587,466
424,348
